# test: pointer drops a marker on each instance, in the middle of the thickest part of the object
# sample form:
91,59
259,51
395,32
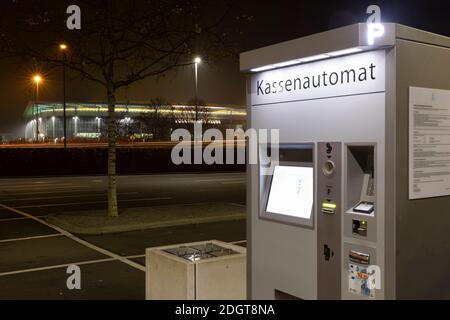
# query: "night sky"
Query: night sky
221,81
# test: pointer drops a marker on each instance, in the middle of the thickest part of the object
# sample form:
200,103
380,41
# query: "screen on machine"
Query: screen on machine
291,192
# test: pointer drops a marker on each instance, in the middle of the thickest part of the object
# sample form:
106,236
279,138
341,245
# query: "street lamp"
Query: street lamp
37,79
63,48
197,61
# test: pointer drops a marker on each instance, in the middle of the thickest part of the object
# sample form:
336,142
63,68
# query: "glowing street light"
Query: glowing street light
37,79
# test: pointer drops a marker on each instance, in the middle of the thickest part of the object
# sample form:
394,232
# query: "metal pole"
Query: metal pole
196,94
75,129
37,111
64,100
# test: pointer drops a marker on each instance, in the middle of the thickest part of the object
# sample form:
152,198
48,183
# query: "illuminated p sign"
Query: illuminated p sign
374,27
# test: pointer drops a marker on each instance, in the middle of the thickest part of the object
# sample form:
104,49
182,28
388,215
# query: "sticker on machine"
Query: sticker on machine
359,281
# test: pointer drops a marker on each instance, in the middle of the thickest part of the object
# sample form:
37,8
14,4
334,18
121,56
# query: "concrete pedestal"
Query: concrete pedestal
207,270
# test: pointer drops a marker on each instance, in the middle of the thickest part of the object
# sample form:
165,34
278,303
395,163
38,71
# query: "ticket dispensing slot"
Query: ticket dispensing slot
361,180
364,207
360,205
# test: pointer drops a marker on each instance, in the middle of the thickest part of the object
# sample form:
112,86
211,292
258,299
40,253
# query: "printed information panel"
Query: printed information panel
429,143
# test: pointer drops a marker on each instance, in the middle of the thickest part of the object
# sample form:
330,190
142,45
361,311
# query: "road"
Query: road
120,144
34,256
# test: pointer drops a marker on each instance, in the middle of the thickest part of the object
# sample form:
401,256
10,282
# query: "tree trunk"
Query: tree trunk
112,133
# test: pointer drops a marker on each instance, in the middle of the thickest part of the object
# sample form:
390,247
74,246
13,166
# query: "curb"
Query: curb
55,220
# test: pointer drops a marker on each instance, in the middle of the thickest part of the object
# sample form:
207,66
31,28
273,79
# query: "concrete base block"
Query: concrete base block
173,277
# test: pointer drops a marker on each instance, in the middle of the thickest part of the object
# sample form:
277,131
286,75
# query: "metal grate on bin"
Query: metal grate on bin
200,252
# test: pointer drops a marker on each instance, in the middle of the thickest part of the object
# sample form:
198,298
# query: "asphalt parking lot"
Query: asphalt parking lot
34,256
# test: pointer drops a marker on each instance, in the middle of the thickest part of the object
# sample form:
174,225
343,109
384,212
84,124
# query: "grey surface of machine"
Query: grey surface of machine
350,103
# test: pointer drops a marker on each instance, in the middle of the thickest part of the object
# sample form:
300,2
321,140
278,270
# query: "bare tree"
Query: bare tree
159,120
119,43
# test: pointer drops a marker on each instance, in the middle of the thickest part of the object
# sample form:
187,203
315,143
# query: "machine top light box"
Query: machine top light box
291,191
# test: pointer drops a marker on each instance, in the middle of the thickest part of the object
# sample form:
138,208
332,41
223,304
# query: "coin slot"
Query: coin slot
328,168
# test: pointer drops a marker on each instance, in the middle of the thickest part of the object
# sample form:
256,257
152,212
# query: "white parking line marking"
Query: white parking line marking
8,273
238,204
20,218
80,241
32,238
89,202
71,196
136,256
54,267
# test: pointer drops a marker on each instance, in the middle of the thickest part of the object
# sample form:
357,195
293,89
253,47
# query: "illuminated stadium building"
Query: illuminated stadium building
88,120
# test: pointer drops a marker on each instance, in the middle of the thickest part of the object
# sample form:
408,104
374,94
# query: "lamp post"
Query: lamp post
75,129
37,79
98,126
197,60
63,48
53,127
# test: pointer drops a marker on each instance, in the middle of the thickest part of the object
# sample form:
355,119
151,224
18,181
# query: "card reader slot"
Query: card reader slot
328,208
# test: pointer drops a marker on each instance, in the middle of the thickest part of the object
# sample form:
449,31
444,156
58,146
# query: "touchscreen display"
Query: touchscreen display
291,192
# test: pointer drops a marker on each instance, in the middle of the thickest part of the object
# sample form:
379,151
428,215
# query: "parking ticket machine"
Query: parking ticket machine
356,204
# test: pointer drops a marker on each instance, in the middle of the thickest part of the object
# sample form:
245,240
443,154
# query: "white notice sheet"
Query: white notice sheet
429,143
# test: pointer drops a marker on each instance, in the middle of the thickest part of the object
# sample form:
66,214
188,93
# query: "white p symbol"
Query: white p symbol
374,30
374,27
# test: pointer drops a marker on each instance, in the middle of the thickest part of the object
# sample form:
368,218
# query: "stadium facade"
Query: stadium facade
145,121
